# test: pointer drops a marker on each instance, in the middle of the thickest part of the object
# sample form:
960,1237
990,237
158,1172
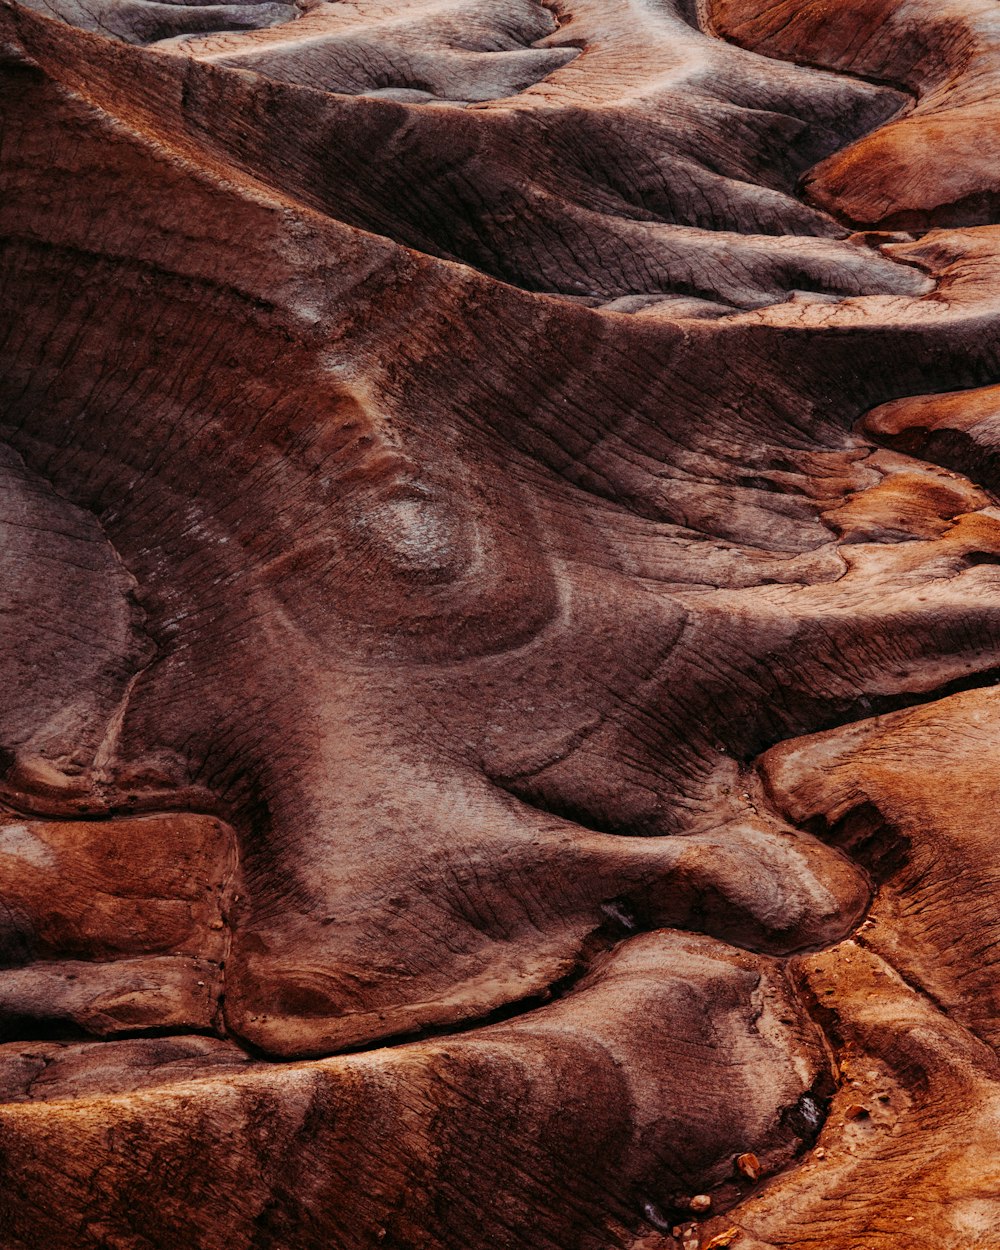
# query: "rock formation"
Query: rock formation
498,543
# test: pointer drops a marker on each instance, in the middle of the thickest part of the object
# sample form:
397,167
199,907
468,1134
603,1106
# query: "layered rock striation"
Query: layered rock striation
498,543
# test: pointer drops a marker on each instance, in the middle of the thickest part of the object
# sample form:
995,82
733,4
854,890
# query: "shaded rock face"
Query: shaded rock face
500,613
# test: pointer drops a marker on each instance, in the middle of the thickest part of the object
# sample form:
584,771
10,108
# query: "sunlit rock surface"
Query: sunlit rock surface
500,615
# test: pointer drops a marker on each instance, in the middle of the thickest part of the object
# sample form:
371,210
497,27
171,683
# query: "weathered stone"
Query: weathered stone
498,529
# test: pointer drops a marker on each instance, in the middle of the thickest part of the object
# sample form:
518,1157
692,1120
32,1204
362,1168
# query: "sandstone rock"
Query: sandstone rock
498,542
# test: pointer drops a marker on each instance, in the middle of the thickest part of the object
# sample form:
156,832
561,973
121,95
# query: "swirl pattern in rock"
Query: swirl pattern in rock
498,533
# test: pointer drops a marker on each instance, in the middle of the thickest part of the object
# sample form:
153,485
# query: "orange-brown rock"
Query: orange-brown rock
498,543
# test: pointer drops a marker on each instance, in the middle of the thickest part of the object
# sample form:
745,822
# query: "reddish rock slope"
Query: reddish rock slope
500,618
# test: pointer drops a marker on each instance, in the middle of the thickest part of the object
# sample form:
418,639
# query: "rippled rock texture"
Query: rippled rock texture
500,623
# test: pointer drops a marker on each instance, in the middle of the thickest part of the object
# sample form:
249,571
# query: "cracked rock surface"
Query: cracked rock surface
499,625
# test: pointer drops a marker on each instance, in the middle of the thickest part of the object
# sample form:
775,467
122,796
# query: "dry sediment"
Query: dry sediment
499,539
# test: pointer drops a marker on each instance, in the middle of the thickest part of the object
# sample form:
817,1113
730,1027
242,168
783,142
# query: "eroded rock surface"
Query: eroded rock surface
498,547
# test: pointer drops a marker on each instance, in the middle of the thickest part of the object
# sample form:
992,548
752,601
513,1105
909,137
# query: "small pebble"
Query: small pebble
690,1239
749,1165
701,1202
722,1240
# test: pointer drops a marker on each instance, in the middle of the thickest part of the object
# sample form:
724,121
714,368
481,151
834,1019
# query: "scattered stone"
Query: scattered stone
749,1165
722,1240
688,1236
